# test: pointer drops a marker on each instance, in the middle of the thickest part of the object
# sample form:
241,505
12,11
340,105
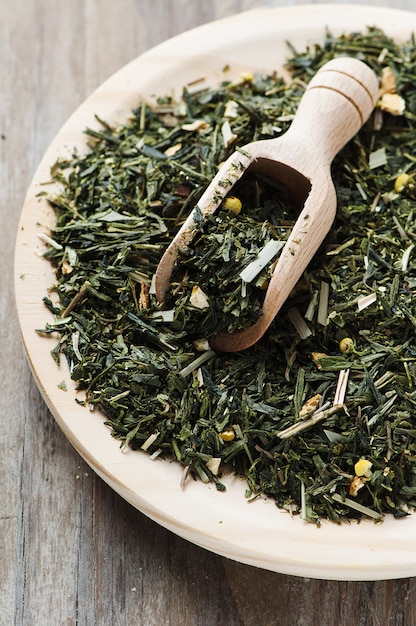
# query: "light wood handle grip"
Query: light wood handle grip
337,102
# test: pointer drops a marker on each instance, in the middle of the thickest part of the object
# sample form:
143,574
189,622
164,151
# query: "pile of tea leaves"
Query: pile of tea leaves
320,414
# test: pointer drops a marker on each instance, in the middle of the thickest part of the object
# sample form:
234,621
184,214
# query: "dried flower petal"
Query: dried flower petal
199,298
392,103
310,406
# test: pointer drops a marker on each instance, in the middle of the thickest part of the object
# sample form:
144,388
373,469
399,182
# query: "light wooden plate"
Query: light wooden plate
225,523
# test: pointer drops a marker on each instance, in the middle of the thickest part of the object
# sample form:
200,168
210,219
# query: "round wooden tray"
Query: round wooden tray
256,533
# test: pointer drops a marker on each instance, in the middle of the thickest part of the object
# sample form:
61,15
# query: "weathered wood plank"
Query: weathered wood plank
71,550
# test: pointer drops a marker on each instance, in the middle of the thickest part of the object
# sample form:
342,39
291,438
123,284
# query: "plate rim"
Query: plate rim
304,550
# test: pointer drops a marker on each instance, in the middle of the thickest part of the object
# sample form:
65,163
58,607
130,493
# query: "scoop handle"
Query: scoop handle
337,102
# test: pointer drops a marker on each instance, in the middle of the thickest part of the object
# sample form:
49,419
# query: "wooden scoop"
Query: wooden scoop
337,102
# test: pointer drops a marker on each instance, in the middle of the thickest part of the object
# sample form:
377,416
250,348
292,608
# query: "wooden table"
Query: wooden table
71,550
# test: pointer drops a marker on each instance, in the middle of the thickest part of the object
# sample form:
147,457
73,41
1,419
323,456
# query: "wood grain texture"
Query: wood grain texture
72,552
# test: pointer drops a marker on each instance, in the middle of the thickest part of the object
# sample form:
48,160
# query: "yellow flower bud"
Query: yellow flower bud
233,204
346,344
363,468
401,182
228,434
247,77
